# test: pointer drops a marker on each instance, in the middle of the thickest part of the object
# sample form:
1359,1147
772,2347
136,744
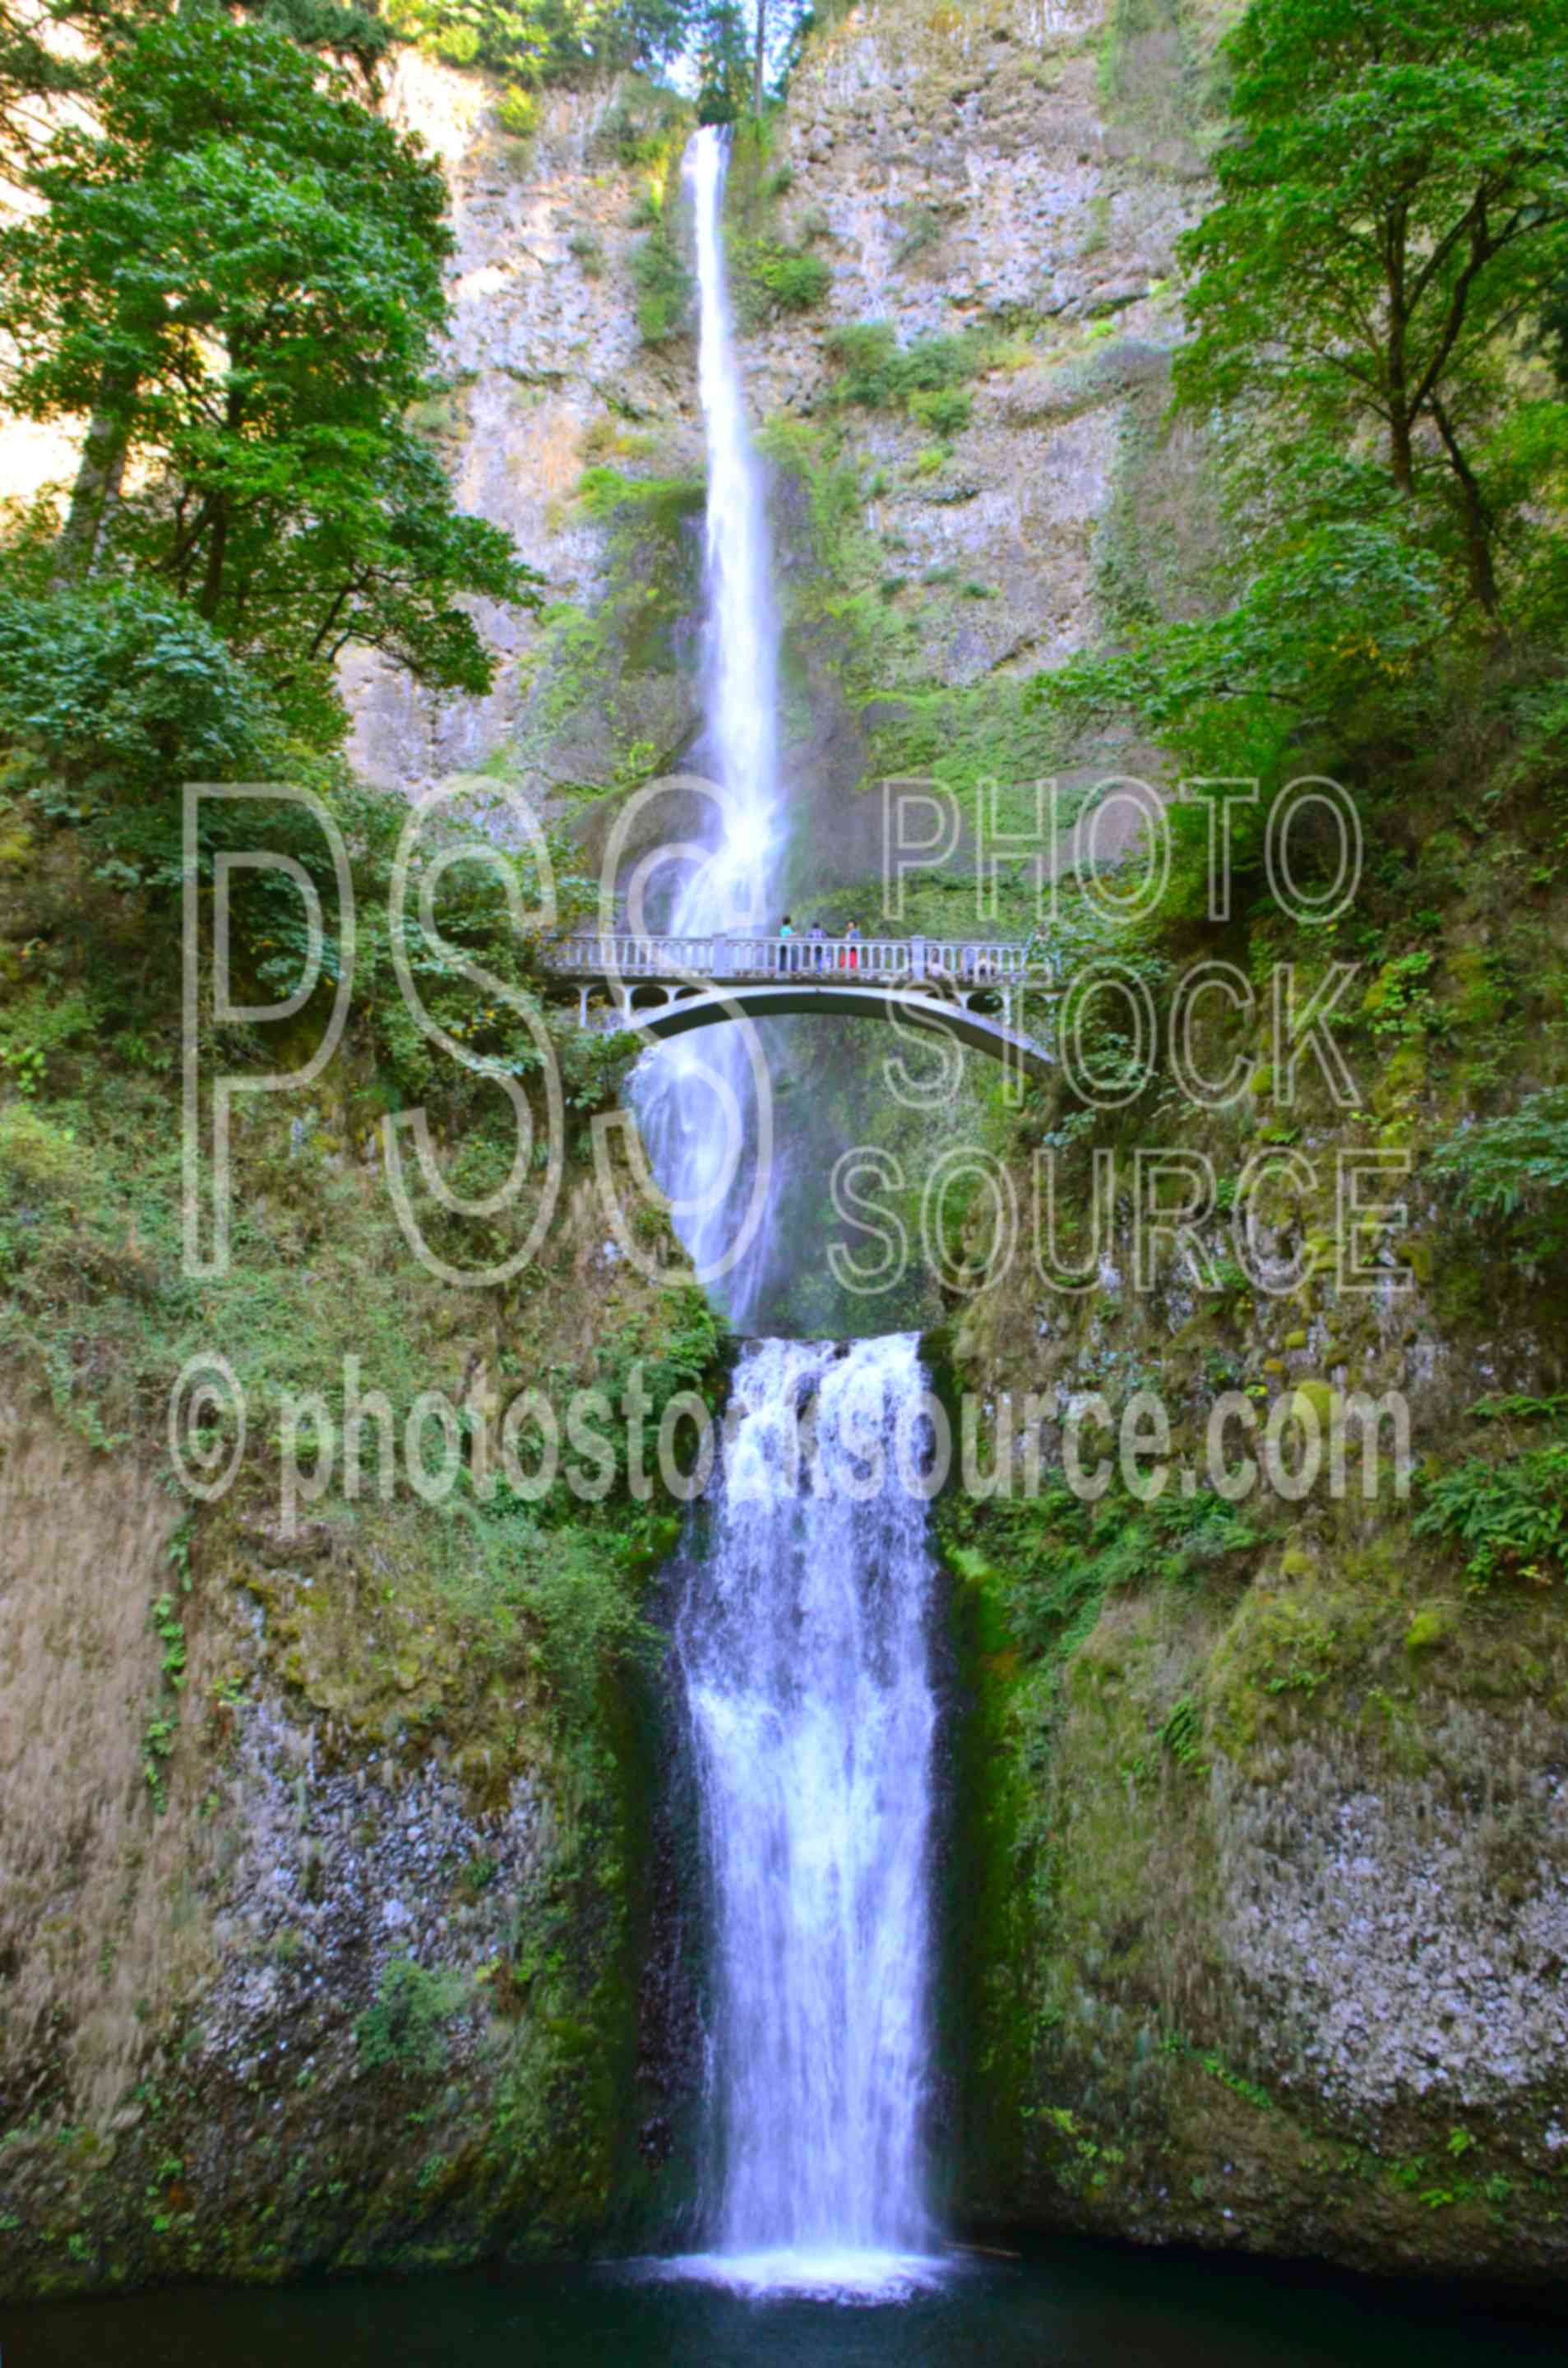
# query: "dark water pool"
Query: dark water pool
1076,2304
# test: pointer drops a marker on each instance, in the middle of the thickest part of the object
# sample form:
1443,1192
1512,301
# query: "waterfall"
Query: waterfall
802,1640
804,1649
715,1173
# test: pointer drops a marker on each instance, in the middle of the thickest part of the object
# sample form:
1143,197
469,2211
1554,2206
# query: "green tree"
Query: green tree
724,62
1391,209
239,276
546,40
38,67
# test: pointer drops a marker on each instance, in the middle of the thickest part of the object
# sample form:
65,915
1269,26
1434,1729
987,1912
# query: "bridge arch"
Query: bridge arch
714,1007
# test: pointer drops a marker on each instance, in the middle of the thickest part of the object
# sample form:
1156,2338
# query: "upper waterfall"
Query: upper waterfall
703,1109
740,652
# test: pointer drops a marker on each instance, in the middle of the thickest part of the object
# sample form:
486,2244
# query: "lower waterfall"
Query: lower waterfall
804,1646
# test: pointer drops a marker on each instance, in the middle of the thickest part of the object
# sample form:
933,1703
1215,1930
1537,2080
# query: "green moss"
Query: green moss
1431,1628
663,504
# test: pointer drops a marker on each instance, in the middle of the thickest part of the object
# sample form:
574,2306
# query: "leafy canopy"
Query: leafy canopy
1394,205
239,275
546,40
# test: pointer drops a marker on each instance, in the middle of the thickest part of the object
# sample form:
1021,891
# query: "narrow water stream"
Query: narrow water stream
695,1098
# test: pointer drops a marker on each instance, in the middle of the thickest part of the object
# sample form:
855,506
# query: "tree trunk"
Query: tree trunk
1472,509
1401,452
213,577
759,68
100,473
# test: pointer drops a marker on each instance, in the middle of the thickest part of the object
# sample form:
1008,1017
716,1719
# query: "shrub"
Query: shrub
783,278
863,350
663,288
880,375
517,111
405,2031
38,1160
1513,1171
945,410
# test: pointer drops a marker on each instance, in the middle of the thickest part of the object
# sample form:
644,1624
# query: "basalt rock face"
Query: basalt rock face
1016,172
1265,1898
323,1909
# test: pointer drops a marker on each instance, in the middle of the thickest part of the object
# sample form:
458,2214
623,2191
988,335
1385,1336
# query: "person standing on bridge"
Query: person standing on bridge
785,931
819,939
852,941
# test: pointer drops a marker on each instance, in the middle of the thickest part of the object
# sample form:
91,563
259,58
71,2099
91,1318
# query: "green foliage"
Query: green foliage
37,1024
1395,202
643,127
878,374
406,2031
724,62
1338,638
570,41
664,287
239,277
1056,1556
38,1160
770,278
945,410
793,282
115,696
157,1749
159,1735
343,28
1511,1519
1512,1172
517,111
667,503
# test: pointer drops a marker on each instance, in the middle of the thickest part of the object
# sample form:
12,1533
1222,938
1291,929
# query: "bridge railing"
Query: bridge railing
964,960
595,956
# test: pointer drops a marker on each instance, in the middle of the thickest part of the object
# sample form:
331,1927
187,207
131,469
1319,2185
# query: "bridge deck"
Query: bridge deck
613,955
669,986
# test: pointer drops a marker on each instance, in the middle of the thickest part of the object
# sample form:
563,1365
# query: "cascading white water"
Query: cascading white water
710,1169
804,1644
803,1638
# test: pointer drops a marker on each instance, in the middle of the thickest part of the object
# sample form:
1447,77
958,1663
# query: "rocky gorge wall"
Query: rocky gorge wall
1267,1865
997,172
324,1844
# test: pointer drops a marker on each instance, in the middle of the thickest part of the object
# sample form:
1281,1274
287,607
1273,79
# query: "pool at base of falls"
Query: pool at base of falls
1079,2304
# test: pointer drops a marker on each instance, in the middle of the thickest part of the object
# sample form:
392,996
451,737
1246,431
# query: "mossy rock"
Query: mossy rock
1414,1250
1432,1627
1322,1400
